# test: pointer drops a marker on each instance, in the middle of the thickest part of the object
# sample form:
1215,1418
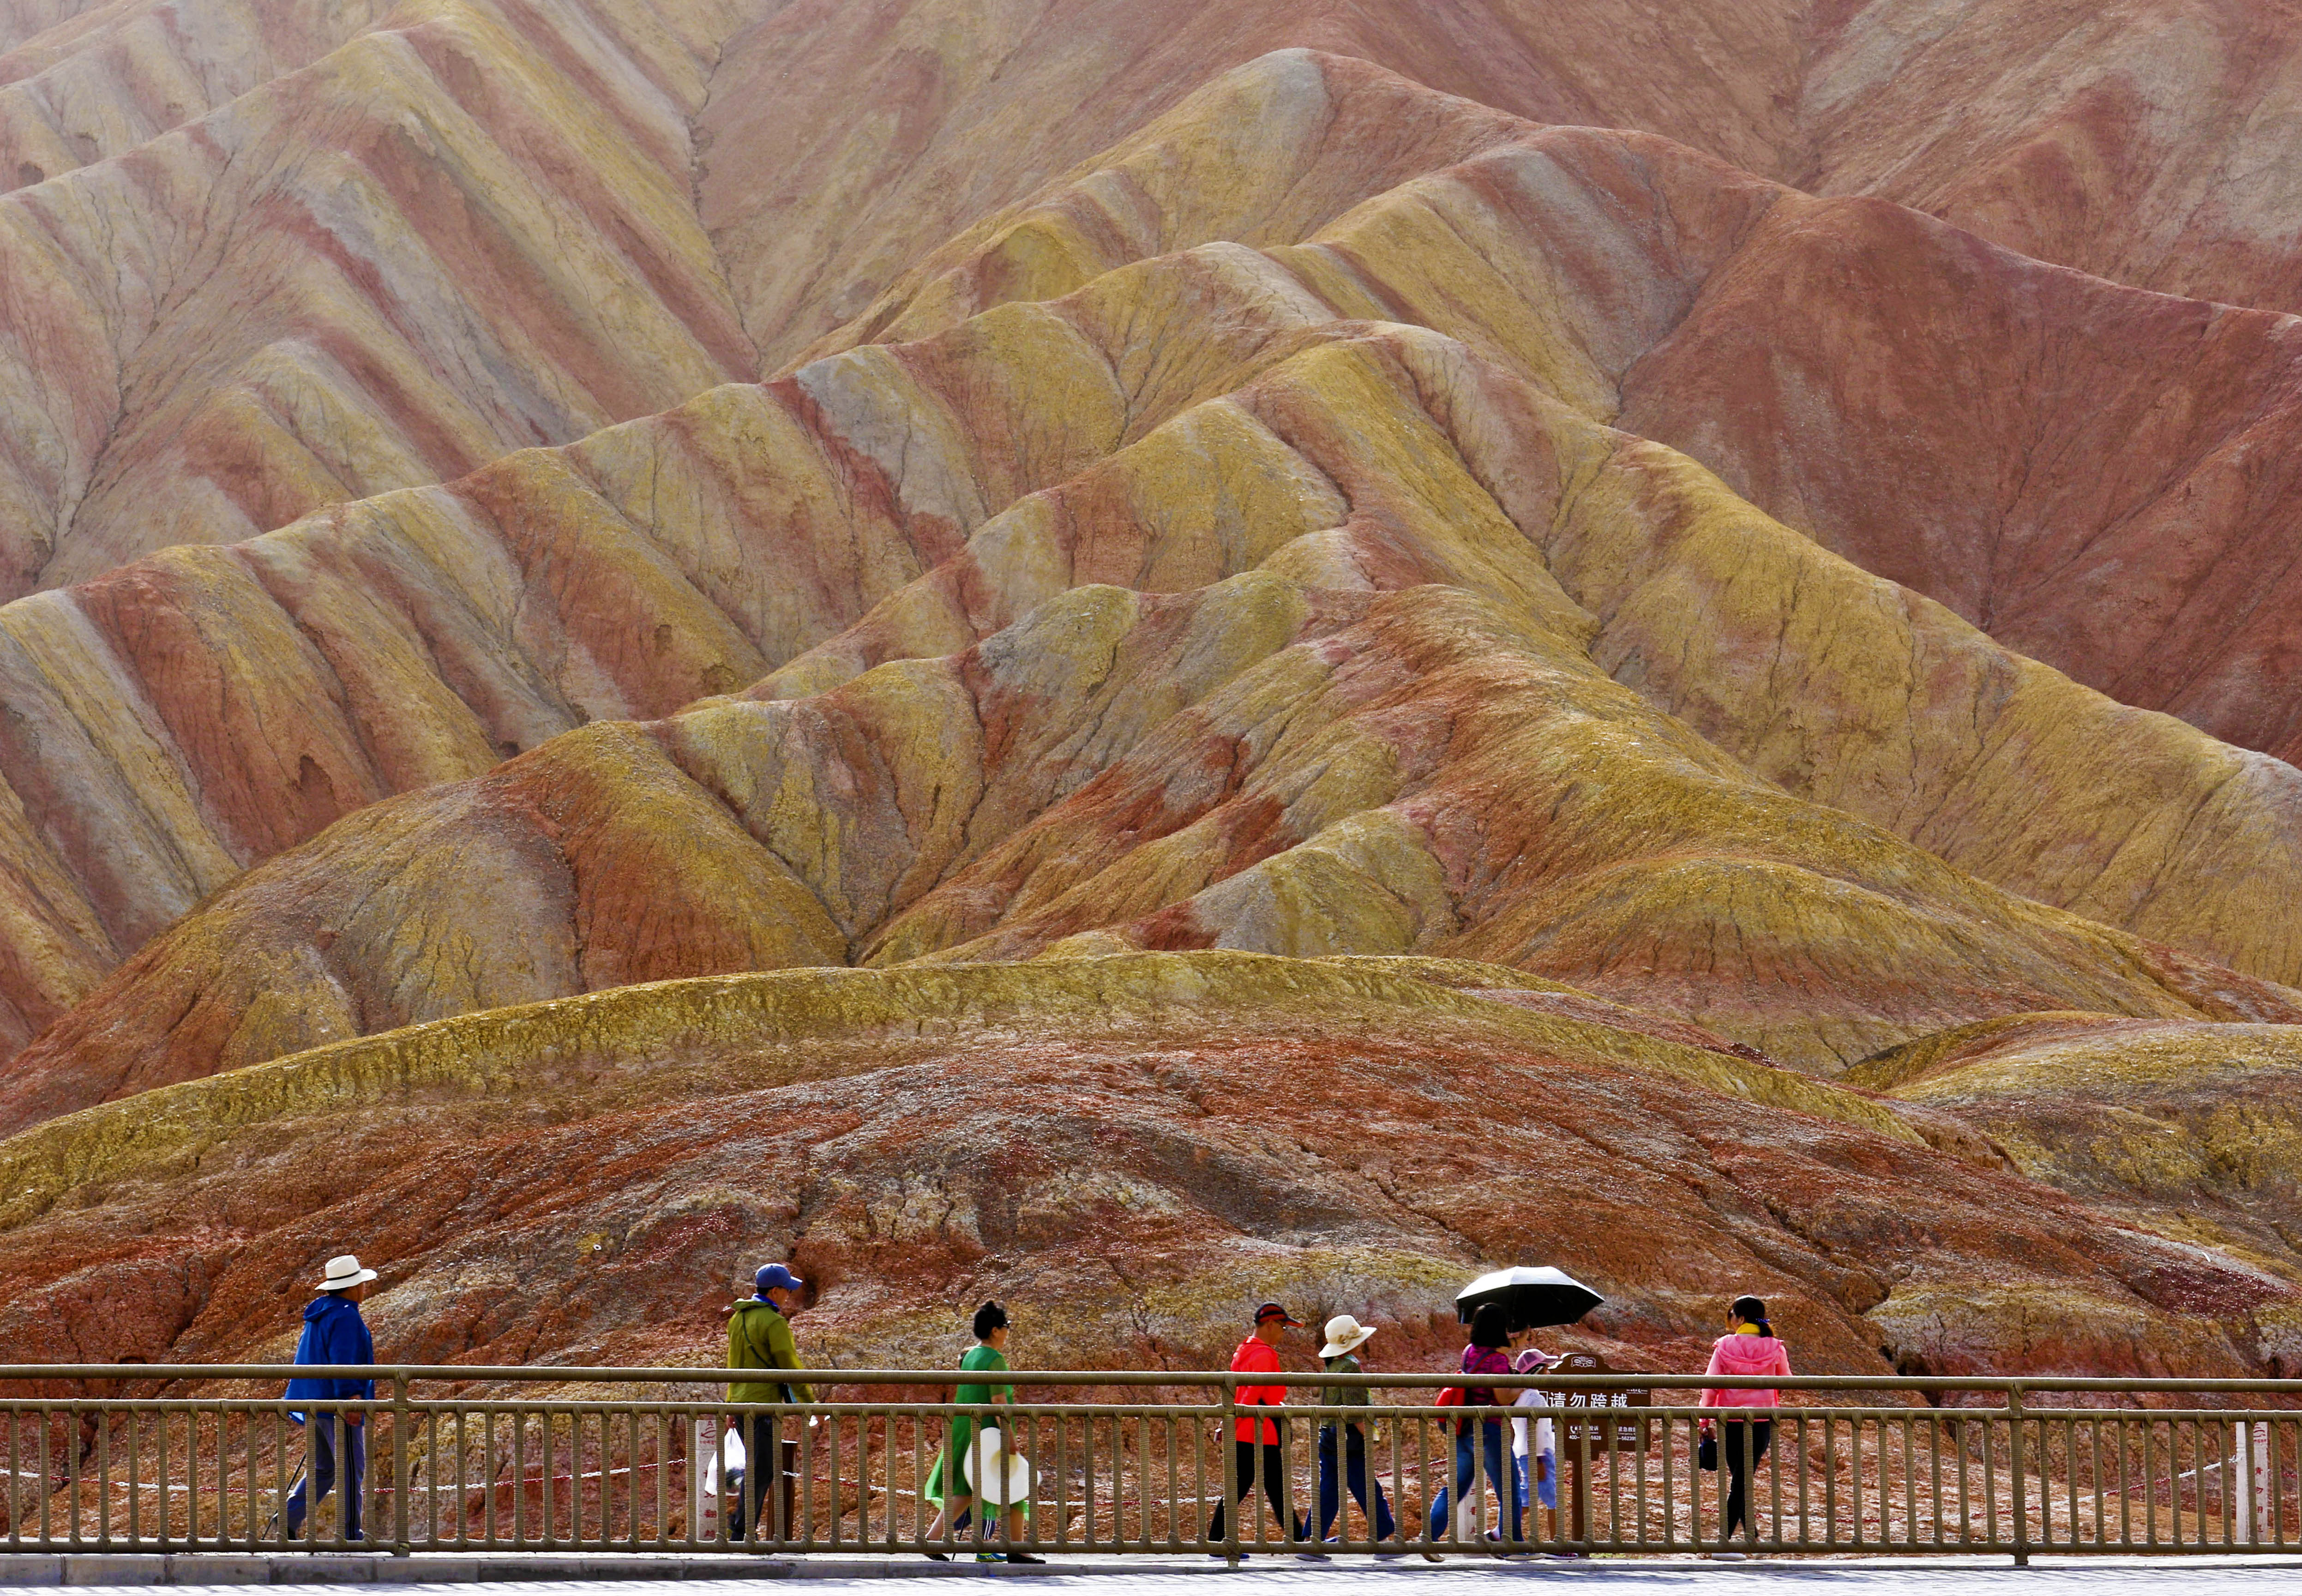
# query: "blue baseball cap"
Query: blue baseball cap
776,1275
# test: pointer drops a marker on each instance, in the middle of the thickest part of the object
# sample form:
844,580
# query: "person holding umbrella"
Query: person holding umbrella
1485,1356
1497,1306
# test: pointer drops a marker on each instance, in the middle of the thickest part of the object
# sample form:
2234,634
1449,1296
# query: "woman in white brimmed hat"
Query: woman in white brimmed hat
1344,1442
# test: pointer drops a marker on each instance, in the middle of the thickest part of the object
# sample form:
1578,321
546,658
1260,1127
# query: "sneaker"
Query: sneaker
1025,1556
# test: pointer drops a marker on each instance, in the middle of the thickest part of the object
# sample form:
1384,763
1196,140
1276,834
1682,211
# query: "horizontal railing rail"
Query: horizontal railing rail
469,1457
584,1374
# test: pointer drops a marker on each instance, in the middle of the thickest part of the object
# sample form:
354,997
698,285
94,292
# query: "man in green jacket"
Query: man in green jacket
759,1337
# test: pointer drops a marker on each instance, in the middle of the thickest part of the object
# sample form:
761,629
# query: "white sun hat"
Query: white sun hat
1344,1334
345,1272
999,1477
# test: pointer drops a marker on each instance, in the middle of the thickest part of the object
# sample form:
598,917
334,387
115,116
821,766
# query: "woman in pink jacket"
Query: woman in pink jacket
1748,1347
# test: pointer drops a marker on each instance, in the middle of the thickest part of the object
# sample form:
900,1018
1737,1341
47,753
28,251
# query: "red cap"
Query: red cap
1272,1310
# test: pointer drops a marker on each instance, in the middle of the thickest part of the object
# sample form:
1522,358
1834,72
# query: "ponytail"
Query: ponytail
1752,1310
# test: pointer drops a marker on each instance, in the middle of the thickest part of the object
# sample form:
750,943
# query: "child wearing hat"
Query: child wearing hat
1536,1452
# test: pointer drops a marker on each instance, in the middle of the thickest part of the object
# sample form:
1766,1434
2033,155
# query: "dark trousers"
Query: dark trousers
1274,1485
320,1471
1732,1440
761,1456
1355,1471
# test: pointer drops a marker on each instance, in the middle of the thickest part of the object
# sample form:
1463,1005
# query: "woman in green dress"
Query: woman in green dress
946,1485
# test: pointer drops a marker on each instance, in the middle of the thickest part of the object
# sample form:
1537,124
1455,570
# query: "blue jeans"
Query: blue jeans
1547,1488
1491,1434
320,1471
1355,1471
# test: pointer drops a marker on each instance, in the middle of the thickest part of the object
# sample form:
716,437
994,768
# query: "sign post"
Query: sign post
1614,1430
703,1452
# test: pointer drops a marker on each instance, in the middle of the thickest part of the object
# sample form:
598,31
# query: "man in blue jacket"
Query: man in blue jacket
334,1333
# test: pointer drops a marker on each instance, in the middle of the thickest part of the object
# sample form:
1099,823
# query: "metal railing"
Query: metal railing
467,1459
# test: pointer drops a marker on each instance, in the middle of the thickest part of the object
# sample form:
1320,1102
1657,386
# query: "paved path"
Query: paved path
2199,1576
1639,1579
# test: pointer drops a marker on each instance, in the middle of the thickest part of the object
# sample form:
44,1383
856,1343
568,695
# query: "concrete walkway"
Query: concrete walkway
677,1575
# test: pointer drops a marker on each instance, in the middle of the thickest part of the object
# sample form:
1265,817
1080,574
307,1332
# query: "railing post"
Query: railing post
1229,1432
399,1417
2020,1454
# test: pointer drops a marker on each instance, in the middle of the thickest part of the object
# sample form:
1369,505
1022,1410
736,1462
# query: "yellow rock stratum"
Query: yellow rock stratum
2189,1129
1257,764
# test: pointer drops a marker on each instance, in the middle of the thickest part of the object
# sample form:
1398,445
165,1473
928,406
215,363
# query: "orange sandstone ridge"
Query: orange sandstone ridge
1281,604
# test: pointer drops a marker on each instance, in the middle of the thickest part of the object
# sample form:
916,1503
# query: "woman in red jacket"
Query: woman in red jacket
1748,1347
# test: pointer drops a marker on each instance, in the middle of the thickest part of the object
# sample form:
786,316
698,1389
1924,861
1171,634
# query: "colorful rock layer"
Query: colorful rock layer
1132,1149
1291,684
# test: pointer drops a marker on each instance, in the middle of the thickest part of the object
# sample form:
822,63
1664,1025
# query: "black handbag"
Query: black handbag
1706,1456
